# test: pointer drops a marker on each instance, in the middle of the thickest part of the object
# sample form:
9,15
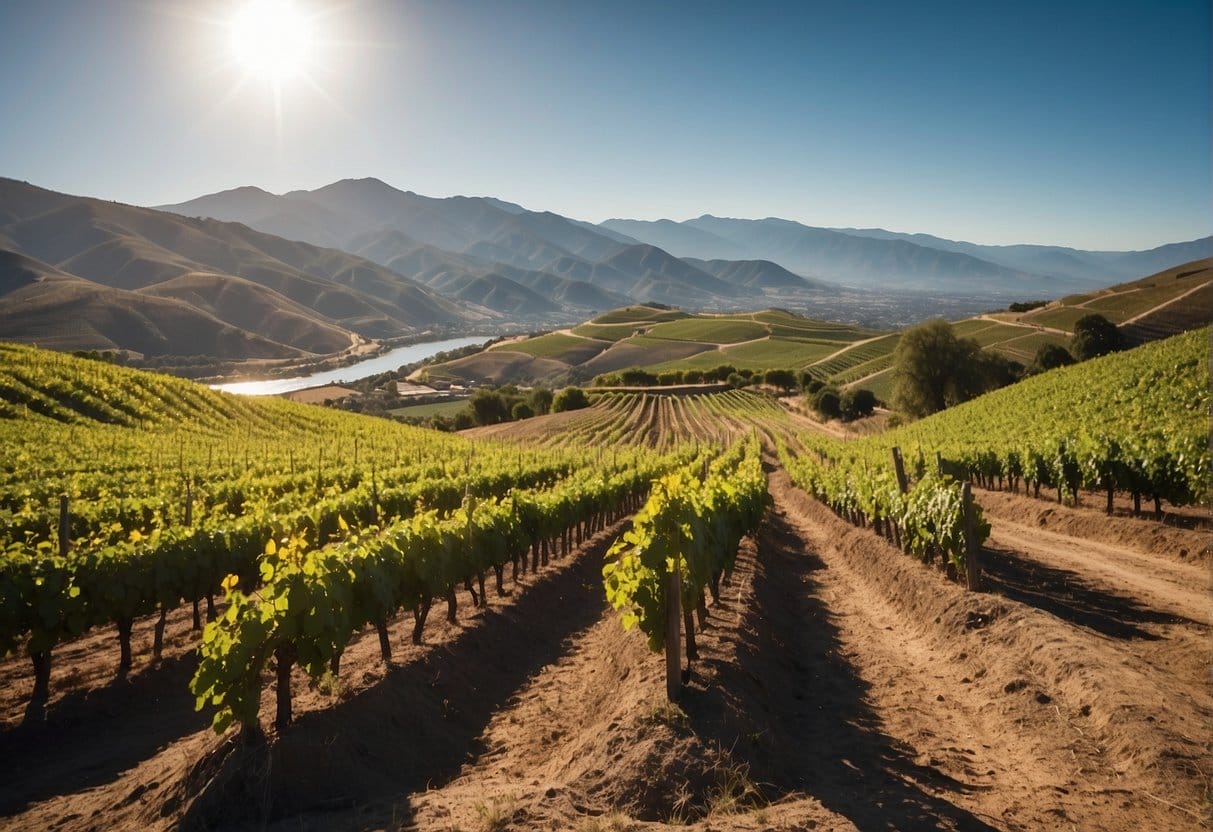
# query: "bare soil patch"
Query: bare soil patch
1170,541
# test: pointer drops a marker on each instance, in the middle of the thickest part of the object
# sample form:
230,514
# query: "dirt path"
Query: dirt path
849,346
1179,589
1031,327
842,686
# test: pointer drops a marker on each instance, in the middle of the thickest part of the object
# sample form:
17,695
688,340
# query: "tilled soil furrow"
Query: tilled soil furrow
1139,614
1044,724
1181,590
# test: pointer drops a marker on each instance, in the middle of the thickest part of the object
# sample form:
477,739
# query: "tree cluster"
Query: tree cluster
736,376
828,402
933,369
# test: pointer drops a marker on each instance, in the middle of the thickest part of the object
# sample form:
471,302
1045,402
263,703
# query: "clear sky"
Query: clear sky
1074,123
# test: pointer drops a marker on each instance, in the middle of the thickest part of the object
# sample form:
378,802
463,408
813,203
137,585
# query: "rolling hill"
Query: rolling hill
196,287
658,339
1157,306
40,304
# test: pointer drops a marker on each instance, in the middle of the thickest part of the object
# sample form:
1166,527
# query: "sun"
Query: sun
271,39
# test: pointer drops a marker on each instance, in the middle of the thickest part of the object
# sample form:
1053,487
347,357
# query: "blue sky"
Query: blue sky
1073,123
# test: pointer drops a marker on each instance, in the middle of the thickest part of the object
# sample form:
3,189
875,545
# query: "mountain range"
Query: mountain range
496,253
246,274
877,259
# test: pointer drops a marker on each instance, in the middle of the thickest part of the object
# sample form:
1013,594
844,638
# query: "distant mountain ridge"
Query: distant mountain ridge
876,258
1096,266
473,248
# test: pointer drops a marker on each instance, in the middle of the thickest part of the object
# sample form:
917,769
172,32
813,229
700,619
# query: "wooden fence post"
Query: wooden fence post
899,468
972,561
939,463
673,616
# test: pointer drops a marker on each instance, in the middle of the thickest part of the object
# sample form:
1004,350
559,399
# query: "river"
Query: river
371,366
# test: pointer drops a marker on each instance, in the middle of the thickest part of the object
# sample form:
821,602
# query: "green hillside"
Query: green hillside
1135,421
658,339
1165,303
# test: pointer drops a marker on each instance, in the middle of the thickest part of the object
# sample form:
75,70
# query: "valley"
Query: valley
606,417
839,682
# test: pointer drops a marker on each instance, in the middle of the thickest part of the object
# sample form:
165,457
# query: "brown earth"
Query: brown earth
842,685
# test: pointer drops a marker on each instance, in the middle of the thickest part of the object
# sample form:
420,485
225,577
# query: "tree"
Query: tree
737,380
540,400
996,370
827,403
933,369
1050,356
783,379
570,398
522,410
720,372
805,379
855,404
636,377
489,407
1094,335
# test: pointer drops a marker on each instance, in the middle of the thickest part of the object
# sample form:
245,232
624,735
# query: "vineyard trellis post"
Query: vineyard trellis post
972,559
899,467
673,614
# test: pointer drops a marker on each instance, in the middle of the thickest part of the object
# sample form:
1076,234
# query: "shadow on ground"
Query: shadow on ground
794,709
413,730
1066,595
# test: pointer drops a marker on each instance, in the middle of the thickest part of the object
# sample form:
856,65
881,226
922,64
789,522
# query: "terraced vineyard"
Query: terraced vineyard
1159,305
1070,692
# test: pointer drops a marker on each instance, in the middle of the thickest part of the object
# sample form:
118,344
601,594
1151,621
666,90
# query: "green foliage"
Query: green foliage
826,402
570,398
1026,306
933,369
1133,421
521,410
687,524
855,404
540,400
312,599
849,479
1094,335
1051,356
489,407
636,377
783,379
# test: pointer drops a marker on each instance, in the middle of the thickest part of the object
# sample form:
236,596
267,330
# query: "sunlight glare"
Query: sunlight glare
271,39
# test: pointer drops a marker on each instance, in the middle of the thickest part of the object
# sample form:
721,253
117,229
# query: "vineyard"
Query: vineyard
663,609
